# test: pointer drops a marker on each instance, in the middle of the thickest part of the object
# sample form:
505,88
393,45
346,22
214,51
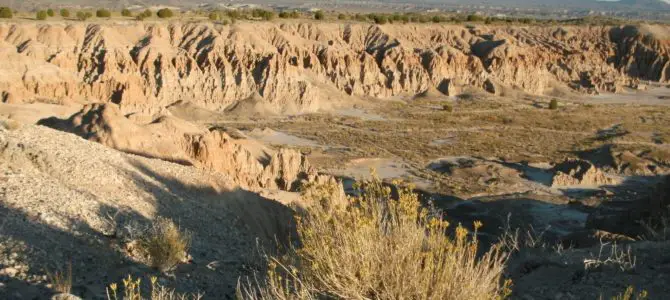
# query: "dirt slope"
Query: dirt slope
58,192
298,67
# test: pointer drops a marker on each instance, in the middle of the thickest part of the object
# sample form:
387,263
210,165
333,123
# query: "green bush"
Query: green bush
6,13
126,12
214,16
147,13
103,13
448,107
50,12
234,14
319,15
475,18
553,104
341,17
165,13
65,13
436,19
41,15
380,19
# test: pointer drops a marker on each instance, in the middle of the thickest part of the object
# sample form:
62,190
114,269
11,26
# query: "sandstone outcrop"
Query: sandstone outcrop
301,67
247,162
578,172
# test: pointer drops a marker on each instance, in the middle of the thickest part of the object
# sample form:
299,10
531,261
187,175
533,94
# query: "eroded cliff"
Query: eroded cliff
297,67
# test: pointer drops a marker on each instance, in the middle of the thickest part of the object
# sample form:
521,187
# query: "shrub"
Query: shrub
65,13
103,13
50,12
234,14
165,244
41,15
436,19
214,16
553,104
475,18
341,17
380,248
380,19
284,15
126,12
6,13
147,13
165,13
447,107
319,15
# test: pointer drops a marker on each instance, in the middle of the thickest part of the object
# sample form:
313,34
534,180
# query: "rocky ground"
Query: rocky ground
105,127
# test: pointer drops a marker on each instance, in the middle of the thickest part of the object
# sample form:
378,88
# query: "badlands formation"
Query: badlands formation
104,127
304,67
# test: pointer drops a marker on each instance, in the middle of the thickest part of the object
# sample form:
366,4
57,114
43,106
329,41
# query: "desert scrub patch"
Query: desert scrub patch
131,289
380,246
164,244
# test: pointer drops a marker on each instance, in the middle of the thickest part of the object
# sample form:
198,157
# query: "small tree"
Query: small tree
65,13
6,13
126,12
165,13
41,15
475,18
50,12
553,104
319,15
147,13
103,13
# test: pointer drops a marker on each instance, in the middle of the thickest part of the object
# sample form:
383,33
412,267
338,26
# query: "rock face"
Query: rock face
294,67
578,172
247,162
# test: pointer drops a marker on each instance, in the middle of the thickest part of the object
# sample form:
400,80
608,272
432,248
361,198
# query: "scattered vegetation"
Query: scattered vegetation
341,17
553,104
50,12
319,15
289,15
447,107
165,244
6,13
263,14
620,259
379,247
132,291
630,294
126,12
65,13
103,13
61,281
41,15
165,13
214,16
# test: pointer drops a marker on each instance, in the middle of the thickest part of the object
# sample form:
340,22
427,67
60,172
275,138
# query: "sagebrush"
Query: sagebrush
380,248
165,244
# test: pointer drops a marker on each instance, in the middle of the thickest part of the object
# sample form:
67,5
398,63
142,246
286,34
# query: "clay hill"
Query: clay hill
302,67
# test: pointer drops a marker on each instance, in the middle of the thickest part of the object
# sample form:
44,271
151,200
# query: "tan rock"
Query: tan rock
578,172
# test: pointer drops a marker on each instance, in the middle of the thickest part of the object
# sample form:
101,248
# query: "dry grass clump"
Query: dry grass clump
380,248
630,294
61,281
132,291
165,244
